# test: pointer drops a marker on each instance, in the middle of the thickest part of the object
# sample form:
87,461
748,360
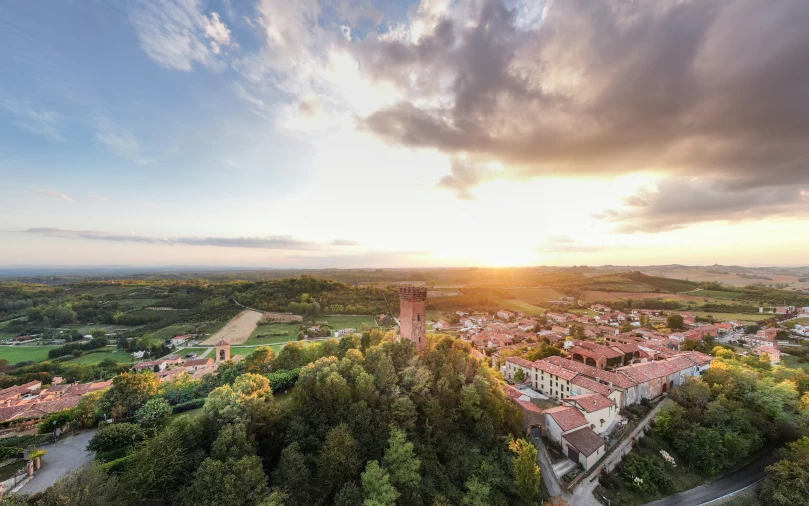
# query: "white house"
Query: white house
599,411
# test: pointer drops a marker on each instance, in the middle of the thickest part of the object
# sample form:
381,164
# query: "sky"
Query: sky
380,133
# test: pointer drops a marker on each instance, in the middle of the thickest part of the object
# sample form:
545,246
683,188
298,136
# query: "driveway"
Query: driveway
746,476
63,456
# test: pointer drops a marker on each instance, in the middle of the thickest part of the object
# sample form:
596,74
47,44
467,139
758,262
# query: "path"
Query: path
583,493
63,456
744,477
545,466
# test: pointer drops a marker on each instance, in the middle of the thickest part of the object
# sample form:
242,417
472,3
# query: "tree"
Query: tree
235,482
339,460
293,475
154,413
401,462
232,443
787,480
87,486
526,471
377,487
675,322
260,361
129,392
181,388
519,376
477,493
115,441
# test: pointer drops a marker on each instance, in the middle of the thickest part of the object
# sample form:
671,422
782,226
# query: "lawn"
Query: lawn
286,331
246,351
716,294
16,354
179,329
340,322
95,358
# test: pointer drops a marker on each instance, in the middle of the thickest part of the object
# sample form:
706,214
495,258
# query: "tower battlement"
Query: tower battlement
413,314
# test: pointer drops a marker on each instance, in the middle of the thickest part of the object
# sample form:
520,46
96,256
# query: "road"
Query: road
63,456
748,475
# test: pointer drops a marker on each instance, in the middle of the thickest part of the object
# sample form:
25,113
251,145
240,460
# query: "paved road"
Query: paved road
742,478
63,456
545,466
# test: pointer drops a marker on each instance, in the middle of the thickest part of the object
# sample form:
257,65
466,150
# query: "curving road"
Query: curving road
64,456
744,477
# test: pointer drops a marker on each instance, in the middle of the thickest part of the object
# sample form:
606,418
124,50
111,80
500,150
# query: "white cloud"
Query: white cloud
118,140
177,33
51,193
39,122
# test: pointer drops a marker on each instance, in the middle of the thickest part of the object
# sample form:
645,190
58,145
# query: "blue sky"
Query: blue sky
340,133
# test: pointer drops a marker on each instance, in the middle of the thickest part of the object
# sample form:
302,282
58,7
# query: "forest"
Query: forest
368,421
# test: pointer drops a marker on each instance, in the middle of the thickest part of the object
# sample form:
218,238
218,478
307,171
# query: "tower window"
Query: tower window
418,317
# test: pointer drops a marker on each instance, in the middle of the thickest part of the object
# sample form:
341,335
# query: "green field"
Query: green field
716,294
198,351
340,322
95,358
132,304
753,317
799,321
16,354
522,306
289,330
179,329
247,351
793,363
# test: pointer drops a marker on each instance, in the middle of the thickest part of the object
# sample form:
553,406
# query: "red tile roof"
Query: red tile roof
618,380
592,385
585,440
520,362
591,402
554,369
567,417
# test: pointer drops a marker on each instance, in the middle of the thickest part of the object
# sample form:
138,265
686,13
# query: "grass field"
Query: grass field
137,303
198,351
246,351
340,322
170,331
535,296
263,341
754,317
289,330
716,294
522,306
793,363
95,358
16,354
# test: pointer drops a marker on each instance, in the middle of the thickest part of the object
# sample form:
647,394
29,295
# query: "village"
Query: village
601,362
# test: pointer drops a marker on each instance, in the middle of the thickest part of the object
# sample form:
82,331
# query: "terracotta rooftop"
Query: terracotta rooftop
567,417
592,385
591,402
552,368
618,380
520,362
584,440
603,350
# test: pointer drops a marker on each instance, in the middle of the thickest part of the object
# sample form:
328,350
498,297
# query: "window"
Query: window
418,317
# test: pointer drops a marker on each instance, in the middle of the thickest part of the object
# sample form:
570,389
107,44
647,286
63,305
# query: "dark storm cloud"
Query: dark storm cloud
269,242
711,88
678,203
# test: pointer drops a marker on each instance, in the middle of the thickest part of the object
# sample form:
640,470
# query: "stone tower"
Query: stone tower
413,315
222,350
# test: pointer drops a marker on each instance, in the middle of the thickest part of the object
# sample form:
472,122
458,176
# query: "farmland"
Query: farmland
522,306
754,317
237,330
715,294
23,353
534,295
98,357
347,321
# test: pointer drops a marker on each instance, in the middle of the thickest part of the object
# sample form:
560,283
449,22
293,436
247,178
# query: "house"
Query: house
771,351
514,364
598,410
551,379
563,331
601,308
197,364
21,339
154,365
505,315
179,340
345,332
757,340
769,334
567,426
442,325
596,355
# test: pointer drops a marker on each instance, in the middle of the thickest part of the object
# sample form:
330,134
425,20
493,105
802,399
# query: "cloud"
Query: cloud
465,176
99,198
687,88
677,203
566,244
51,193
177,34
38,122
345,242
118,140
281,242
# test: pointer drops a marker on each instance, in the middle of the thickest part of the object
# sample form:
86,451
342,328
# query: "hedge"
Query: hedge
117,466
6,452
188,406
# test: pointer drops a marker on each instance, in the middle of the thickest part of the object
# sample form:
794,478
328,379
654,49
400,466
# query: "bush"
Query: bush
117,466
58,419
7,452
114,441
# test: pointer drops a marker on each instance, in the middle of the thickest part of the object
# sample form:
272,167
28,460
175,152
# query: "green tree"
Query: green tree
260,361
377,487
87,486
339,460
401,463
477,493
129,392
235,482
154,413
787,481
115,441
675,322
293,475
526,471
233,442
519,376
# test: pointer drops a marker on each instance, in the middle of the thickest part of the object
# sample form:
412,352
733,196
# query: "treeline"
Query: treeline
369,421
